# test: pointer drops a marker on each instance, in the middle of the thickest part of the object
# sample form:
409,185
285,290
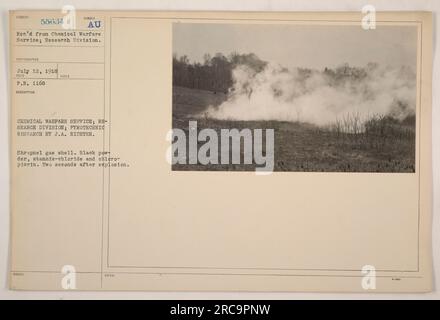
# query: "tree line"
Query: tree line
214,73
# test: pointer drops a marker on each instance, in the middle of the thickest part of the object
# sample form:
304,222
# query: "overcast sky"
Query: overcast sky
300,46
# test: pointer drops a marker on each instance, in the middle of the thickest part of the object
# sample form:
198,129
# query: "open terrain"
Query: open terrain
383,145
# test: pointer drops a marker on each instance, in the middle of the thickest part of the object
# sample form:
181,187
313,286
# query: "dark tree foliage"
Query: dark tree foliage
215,74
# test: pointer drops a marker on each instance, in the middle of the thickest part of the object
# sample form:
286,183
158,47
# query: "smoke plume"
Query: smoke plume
318,97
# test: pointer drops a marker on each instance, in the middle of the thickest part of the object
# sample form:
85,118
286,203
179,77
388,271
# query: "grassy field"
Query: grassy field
386,145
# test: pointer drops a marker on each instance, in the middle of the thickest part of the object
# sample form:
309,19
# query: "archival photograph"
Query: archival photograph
290,97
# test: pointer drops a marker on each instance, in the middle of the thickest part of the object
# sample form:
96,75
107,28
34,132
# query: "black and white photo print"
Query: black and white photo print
292,97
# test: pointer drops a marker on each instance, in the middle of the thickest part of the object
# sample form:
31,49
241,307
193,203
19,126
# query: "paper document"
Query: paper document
219,151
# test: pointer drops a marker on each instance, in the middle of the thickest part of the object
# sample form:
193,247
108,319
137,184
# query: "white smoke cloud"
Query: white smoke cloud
318,97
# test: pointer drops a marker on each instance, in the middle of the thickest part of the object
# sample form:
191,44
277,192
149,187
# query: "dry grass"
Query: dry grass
376,144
